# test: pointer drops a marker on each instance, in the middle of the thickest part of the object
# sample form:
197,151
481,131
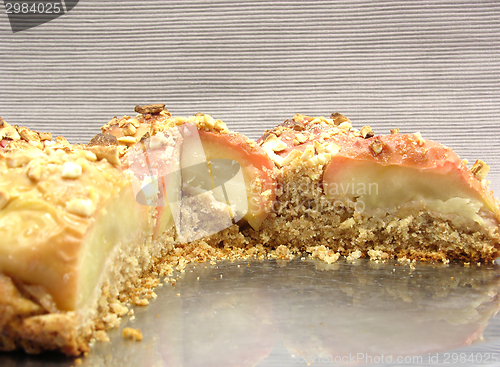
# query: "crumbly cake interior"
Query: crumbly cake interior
303,221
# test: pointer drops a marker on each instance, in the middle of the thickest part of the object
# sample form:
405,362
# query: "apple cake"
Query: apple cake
88,230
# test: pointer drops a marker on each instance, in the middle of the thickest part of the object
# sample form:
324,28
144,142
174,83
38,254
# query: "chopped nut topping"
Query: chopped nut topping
298,117
480,170
272,142
103,140
122,122
151,108
62,140
332,148
338,118
301,138
346,125
135,123
204,121
4,199
318,147
376,146
130,333
367,132
90,156
81,207
179,120
45,136
420,140
308,153
8,132
209,121
295,124
322,159
35,172
220,126
110,153
395,131
71,170
129,129
27,134
62,143
294,154
276,158
165,113
128,140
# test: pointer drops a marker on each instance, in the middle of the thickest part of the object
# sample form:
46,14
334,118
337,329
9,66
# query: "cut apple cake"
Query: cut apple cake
89,229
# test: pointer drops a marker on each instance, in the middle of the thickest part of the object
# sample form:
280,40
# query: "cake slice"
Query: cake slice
204,158
227,179
358,194
74,242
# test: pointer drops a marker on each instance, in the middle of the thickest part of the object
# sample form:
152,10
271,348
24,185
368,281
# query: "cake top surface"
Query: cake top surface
318,142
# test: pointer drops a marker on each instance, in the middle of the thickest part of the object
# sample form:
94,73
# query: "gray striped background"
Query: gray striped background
428,66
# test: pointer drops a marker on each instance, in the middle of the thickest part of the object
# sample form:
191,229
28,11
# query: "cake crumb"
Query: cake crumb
378,255
78,361
140,302
283,253
354,255
131,333
118,308
102,336
323,253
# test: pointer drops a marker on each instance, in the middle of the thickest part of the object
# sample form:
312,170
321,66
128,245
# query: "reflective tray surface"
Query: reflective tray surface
306,312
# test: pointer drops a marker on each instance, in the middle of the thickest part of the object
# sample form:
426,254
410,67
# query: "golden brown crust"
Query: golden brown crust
26,324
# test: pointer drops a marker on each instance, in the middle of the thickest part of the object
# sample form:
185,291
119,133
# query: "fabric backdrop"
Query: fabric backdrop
428,66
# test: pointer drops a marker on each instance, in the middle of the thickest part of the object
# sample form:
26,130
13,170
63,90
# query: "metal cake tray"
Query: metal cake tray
306,312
